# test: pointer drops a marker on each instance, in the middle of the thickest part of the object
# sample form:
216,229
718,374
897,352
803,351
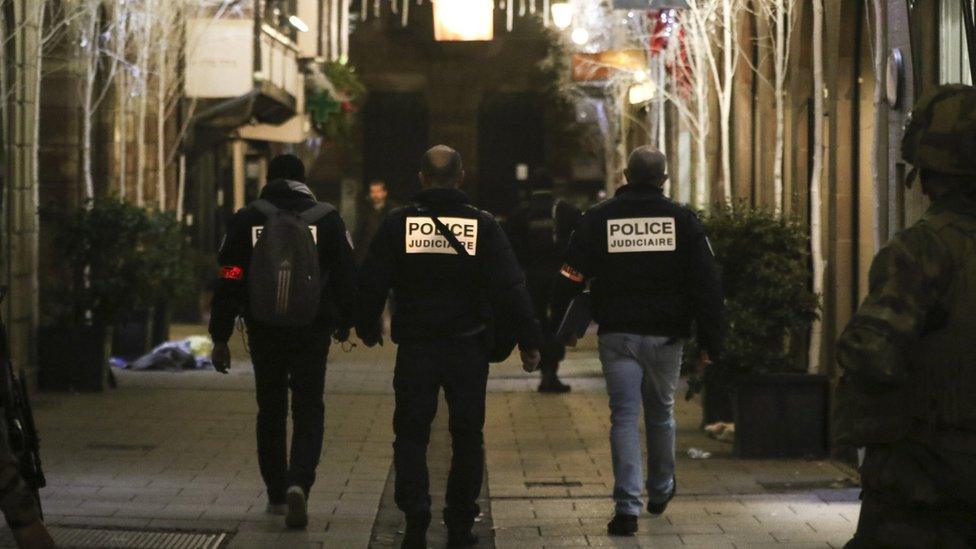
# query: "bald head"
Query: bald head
647,166
441,167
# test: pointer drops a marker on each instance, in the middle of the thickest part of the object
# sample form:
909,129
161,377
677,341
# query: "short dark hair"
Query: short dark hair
377,182
441,165
286,166
647,166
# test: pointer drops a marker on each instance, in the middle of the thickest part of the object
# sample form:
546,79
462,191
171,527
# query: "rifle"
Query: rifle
19,417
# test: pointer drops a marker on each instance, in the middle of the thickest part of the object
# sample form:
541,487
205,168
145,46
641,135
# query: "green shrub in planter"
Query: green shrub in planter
766,279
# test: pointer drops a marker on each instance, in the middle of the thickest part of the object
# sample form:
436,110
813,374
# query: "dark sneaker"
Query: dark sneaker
659,508
622,525
278,509
297,515
554,386
463,538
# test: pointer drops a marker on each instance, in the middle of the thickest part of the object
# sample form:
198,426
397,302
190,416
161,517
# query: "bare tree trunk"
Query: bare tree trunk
90,53
816,228
729,52
779,77
161,69
142,65
880,141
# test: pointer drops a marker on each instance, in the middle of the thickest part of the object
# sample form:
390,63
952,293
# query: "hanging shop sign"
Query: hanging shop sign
221,61
595,67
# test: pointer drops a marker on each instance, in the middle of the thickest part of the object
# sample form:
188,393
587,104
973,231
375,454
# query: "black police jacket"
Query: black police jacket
539,230
437,292
335,260
651,268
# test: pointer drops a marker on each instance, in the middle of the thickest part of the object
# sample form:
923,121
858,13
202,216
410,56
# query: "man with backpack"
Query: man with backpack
457,288
540,229
286,267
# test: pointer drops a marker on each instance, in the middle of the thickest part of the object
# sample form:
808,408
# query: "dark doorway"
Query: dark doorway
511,131
395,137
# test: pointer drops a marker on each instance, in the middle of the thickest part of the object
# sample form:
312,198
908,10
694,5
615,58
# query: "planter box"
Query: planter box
73,358
717,404
782,416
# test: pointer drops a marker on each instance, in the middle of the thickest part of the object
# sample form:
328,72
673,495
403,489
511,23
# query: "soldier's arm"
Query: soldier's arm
230,294
906,281
375,281
507,285
18,504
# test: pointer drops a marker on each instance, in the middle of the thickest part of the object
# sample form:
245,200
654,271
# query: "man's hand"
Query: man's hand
221,357
341,335
530,359
33,536
704,361
371,338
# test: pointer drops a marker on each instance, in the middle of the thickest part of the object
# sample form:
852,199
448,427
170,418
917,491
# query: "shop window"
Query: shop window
954,64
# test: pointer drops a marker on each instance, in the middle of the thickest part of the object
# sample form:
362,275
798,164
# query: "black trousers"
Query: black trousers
540,286
286,359
460,366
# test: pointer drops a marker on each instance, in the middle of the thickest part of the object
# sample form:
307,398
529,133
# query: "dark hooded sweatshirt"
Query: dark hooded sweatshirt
335,260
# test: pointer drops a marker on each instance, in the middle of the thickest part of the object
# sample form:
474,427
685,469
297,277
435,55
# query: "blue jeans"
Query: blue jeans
641,370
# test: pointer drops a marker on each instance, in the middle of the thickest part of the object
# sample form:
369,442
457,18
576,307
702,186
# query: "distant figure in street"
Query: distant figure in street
372,217
653,276
441,321
286,267
908,357
540,229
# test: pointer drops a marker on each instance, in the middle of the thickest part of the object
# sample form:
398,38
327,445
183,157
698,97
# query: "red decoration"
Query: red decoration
232,272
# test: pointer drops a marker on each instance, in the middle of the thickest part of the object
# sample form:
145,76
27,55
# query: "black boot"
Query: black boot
415,534
551,384
461,538
622,525
659,508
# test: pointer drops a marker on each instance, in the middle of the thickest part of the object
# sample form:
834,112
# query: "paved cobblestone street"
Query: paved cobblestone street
175,451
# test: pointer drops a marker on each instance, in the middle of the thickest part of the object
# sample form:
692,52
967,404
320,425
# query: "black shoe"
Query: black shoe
659,508
622,525
554,386
297,513
462,538
415,534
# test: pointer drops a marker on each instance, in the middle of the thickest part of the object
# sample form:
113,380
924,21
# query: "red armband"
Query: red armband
231,272
572,273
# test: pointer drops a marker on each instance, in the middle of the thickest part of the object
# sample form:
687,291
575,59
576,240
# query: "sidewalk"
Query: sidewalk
175,451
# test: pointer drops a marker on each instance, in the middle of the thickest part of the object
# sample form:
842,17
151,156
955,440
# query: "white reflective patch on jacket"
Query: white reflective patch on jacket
422,236
642,234
257,229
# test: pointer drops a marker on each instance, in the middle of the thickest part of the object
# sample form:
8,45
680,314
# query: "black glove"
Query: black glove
341,335
221,357
371,338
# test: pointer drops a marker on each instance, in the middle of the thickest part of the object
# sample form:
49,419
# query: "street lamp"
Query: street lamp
464,20
580,36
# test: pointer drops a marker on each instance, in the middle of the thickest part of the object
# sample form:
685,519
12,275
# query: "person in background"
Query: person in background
374,213
539,230
288,352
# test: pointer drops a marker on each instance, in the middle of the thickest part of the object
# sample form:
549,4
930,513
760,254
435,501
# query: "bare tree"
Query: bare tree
816,177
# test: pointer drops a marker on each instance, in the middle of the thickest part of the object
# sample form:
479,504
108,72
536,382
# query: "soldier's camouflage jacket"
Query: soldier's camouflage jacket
908,357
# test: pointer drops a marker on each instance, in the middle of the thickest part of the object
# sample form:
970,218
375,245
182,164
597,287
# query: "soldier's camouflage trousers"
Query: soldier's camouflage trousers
916,497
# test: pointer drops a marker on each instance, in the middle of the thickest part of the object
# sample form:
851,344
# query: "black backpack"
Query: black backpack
284,281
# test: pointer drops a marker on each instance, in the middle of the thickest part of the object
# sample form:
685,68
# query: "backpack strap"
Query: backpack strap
316,212
451,239
265,207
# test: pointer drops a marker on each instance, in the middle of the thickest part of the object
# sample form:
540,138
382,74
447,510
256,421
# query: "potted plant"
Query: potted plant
171,271
779,409
106,275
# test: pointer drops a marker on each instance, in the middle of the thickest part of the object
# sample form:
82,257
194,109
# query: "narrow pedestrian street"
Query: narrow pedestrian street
176,452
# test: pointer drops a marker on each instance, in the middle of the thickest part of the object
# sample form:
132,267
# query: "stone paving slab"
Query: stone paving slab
175,451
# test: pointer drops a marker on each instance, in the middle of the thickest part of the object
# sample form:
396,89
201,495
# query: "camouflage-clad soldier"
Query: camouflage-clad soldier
908,357
17,502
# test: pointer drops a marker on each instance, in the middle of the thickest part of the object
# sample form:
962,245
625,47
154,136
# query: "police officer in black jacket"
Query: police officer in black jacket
441,324
286,358
540,229
653,276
